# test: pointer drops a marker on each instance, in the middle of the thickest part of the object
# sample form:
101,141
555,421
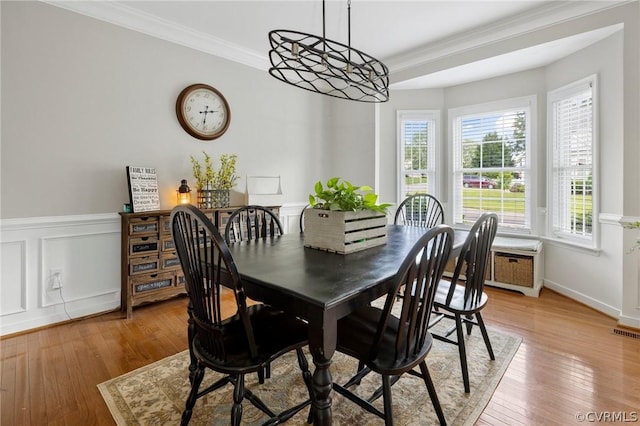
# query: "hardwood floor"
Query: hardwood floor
568,363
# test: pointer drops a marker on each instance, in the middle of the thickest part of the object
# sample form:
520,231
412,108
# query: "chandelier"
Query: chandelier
325,66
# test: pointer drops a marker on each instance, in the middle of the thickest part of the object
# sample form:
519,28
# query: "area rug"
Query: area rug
155,394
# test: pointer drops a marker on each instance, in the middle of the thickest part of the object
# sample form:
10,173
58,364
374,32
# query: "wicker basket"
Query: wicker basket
344,232
450,268
514,269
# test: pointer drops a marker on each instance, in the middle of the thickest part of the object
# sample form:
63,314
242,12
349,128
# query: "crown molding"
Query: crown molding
130,18
551,13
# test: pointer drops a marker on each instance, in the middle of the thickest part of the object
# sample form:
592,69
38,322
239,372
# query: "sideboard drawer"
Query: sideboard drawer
143,245
143,226
146,283
144,265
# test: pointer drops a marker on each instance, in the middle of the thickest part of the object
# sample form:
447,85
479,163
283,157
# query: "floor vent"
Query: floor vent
626,333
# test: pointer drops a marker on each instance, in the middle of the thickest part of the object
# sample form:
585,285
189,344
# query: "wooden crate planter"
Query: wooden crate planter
344,232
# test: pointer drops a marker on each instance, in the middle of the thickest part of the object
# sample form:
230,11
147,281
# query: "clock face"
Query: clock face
203,112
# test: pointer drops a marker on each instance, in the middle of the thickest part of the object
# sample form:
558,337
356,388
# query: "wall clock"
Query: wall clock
203,112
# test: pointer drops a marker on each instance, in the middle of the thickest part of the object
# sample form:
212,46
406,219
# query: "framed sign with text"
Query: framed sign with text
143,188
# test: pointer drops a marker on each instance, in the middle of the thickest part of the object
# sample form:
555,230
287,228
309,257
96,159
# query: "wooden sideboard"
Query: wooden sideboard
150,268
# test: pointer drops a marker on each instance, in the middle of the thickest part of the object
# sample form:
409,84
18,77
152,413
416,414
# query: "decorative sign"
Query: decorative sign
143,188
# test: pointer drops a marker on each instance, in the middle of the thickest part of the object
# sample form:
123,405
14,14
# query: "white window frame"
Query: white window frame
432,117
554,230
455,116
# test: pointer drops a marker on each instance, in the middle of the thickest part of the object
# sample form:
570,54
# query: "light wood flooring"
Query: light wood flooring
568,364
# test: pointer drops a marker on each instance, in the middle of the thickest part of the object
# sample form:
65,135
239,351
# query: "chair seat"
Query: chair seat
457,304
357,332
271,342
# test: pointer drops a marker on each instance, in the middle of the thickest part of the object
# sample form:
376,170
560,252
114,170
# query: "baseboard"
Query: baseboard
585,300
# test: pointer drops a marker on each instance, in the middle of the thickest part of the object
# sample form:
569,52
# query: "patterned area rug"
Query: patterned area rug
155,394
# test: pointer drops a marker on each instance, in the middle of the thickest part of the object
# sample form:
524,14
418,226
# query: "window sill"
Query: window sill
570,245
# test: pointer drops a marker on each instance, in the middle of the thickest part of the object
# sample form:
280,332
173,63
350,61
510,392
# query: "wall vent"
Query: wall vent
626,333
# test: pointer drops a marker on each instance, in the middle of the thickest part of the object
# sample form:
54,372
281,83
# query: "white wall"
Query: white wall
608,279
352,138
598,281
82,99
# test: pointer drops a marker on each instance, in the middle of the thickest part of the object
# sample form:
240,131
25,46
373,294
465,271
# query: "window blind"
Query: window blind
573,161
491,164
417,153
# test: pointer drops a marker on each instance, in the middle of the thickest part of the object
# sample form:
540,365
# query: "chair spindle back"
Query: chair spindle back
207,265
252,223
422,210
420,271
474,258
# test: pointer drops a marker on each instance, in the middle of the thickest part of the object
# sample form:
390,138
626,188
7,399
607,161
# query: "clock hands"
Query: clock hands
205,112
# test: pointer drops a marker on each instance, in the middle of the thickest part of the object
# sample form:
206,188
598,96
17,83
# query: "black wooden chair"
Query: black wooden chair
302,212
462,298
252,223
420,210
235,346
392,345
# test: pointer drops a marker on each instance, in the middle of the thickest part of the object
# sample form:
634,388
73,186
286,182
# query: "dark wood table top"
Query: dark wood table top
322,287
321,279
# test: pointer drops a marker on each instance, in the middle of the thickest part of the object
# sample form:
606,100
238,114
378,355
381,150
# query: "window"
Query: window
492,162
417,133
572,160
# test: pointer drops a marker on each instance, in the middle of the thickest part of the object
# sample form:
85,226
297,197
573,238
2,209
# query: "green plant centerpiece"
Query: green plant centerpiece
344,218
344,196
214,186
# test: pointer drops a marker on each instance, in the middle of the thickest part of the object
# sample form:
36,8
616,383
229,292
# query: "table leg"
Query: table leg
322,344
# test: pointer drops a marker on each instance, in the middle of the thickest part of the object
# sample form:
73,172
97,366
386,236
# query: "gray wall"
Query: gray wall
82,99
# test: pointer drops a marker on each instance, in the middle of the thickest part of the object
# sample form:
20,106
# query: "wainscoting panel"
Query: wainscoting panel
85,253
13,280
84,249
78,267
290,217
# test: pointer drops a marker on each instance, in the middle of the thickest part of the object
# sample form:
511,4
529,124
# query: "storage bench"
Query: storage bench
515,264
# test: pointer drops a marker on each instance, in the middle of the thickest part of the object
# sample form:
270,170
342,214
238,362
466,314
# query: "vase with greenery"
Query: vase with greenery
204,178
343,196
224,180
204,174
214,186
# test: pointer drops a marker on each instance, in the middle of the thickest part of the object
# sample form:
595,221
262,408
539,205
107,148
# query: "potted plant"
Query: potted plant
225,178
204,180
344,196
344,218
214,187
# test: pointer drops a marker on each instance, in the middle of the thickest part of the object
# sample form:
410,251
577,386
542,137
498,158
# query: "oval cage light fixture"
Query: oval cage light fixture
328,67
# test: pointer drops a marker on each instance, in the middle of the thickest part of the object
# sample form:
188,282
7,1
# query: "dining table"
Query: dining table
321,287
